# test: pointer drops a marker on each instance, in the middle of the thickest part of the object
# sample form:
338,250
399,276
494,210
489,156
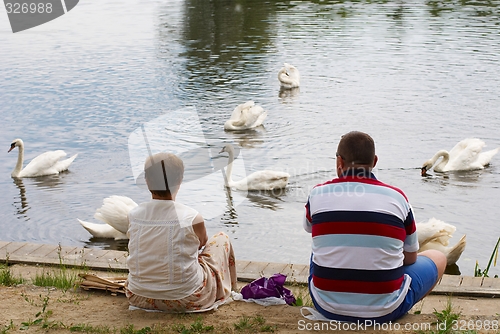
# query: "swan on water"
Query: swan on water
260,180
289,76
114,214
47,163
464,156
436,234
246,116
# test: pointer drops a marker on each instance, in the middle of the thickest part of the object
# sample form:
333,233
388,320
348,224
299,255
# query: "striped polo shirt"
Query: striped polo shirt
360,227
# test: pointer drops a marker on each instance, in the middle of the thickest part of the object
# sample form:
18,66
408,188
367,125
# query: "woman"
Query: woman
173,266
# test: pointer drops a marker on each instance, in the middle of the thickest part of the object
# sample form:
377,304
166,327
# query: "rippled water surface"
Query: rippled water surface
418,77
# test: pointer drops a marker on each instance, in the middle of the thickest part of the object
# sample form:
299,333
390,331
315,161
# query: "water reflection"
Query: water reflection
267,199
24,207
107,244
230,216
50,181
463,178
248,138
288,95
223,42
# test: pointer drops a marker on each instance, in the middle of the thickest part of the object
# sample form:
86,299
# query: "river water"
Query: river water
417,76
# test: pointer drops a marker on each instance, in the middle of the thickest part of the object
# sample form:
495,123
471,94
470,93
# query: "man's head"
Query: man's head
163,173
355,150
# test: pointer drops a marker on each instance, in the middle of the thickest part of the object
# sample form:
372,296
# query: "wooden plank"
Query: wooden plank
241,265
10,248
3,244
303,276
274,268
253,271
118,256
59,254
44,250
24,251
450,280
466,291
470,281
491,282
294,273
91,256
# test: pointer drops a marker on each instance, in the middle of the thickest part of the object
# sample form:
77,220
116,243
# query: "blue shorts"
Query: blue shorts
424,275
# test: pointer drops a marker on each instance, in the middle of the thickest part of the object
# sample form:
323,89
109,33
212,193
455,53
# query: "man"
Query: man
364,263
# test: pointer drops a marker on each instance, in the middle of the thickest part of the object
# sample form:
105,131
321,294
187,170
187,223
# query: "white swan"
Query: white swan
47,163
289,76
114,213
466,155
260,180
436,234
246,116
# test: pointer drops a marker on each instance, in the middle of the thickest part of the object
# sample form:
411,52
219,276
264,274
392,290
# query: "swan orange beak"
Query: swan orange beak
11,147
424,171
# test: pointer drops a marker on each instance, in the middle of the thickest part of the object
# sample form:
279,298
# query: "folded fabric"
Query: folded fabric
268,287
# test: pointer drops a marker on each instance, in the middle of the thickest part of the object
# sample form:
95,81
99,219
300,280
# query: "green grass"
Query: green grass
7,328
194,328
252,325
61,278
7,278
493,259
446,321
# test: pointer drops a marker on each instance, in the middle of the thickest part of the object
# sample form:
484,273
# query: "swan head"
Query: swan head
227,148
426,166
430,163
15,143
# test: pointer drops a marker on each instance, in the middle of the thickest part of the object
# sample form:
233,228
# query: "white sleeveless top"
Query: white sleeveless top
163,251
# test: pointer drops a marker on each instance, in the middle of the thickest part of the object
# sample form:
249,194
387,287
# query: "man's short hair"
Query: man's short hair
163,173
356,148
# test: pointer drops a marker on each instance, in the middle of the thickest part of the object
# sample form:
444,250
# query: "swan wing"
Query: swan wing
464,156
102,230
246,116
463,144
434,231
254,116
114,212
267,180
485,157
44,164
452,253
236,114
63,165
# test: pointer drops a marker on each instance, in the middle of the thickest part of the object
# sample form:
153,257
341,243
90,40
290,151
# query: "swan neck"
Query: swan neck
441,153
20,159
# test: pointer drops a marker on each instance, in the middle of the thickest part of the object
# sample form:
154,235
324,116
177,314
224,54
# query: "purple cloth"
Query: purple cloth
268,287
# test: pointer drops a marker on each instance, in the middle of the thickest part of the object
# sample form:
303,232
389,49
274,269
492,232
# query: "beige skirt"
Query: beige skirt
219,268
